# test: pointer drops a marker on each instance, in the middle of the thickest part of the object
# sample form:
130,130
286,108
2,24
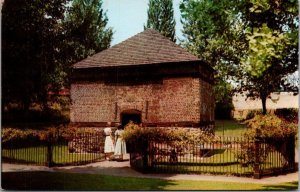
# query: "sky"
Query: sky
127,17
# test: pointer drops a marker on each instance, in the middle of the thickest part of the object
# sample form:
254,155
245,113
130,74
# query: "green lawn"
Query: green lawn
235,169
219,156
222,162
229,128
76,181
38,155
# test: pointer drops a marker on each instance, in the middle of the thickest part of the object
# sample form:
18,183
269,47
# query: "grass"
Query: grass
222,162
234,169
229,128
38,155
220,156
82,181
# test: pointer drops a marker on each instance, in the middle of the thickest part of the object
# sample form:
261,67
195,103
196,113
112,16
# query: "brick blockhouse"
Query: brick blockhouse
146,78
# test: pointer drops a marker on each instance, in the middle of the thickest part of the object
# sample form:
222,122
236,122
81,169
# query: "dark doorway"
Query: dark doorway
131,115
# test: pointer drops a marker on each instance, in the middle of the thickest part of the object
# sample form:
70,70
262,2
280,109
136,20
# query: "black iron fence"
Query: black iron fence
76,149
228,155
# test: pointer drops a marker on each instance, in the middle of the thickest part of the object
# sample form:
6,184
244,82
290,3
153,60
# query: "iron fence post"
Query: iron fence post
145,156
49,154
290,147
257,172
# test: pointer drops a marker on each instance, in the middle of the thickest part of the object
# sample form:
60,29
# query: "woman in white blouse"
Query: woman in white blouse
120,149
108,144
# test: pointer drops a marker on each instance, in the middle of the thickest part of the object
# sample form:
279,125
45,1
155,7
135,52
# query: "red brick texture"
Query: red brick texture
175,100
146,74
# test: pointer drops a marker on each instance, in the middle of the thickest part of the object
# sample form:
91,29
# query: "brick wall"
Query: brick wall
172,100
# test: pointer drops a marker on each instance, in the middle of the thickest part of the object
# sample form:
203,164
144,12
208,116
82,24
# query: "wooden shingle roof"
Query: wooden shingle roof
147,47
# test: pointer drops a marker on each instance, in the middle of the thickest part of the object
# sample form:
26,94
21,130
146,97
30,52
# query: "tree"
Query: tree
251,43
86,31
272,53
31,35
211,31
161,18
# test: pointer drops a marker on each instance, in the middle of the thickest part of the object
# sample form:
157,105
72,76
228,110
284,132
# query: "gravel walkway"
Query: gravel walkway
123,169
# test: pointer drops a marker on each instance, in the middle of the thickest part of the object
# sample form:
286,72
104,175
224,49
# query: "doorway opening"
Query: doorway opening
131,115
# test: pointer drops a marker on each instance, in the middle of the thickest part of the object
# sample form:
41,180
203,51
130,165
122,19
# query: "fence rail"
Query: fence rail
228,155
80,148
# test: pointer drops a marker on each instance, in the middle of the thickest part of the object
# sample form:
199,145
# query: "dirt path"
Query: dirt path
123,169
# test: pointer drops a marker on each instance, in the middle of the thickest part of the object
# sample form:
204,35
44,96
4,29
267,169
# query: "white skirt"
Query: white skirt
120,147
108,145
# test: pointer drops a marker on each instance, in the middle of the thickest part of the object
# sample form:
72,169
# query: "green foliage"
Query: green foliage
41,39
247,155
269,126
288,114
13,134
31,38
55,114
9,134
51,133
272,45
265,45
174,136
86,29
270,130
253,43
211,31
209,24
161,18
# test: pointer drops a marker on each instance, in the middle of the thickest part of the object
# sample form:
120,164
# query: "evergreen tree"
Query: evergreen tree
31,41
161,18
86,30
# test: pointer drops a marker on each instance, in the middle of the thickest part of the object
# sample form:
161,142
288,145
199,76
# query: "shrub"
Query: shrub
10,134
288,114
136,135
50,134
270,126
247,154
267,128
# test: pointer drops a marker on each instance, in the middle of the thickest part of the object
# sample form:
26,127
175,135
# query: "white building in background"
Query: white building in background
278,100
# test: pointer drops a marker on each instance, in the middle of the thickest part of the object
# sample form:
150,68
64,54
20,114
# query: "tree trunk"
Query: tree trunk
25,108
25,103
264,108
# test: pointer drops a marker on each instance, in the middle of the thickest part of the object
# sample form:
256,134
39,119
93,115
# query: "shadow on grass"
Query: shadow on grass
76,181
84,181
282,187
